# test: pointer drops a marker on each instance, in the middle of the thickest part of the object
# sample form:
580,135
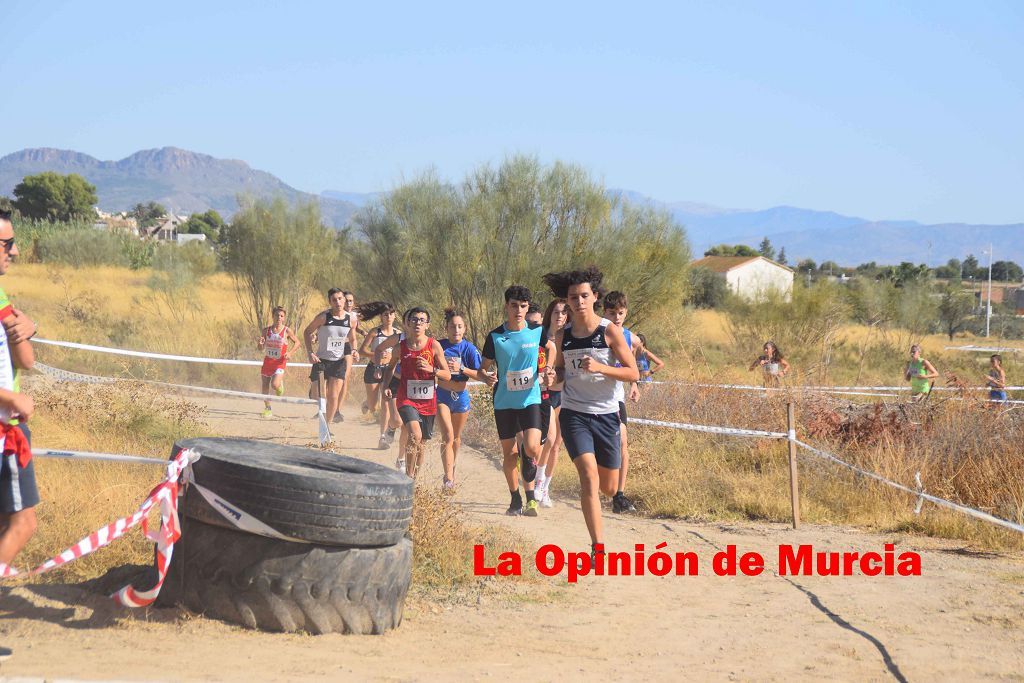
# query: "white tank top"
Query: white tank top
588,392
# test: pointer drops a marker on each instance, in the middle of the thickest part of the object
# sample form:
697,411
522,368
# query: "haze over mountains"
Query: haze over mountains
188,182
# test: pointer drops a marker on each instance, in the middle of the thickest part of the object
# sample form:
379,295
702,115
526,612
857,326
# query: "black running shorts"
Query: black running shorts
511,421
410,414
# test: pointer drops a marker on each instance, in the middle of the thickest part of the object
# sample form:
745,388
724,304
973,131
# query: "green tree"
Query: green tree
148,214
806,265
209,224
830,267
55,197
906,273
955,309
1006,271
950,271
437,243
766,249
782,257
707,289
277,255
731,250
970,266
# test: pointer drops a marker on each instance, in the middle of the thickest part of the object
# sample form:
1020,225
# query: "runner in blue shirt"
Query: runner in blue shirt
513,347
452,396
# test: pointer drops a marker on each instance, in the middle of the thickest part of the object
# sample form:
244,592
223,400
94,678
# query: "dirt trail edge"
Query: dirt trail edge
961,620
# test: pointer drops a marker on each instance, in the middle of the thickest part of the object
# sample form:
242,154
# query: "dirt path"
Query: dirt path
961,620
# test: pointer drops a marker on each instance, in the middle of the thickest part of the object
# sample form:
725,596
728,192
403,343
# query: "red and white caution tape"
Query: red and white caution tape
165,494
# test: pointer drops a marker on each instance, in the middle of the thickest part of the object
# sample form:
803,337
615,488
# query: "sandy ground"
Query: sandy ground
961,620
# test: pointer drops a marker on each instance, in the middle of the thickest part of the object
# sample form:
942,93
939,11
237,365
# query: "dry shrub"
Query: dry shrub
443,548
80,497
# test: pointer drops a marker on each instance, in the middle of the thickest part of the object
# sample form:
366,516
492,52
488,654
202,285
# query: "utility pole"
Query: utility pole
988,309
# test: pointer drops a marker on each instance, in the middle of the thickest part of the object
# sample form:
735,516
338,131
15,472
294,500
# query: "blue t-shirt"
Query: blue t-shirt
466,353
515,354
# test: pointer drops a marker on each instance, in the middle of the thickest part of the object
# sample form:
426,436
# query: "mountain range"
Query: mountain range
183,181
188,182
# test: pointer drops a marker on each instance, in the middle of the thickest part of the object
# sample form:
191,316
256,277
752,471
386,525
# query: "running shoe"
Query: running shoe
391,436
383,444
279,391
622,504
531,509
5,653
339,418
516,507
447,485
266,413
545,500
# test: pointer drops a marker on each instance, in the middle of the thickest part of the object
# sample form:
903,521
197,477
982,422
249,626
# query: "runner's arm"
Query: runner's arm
310,330
21,405
389,372
22,355
785,365
441,370
656,363
932,372
620,349
293,343
389,343
364,348
352,344
758,362
559,360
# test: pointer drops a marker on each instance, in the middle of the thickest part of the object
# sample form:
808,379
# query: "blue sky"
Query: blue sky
908,112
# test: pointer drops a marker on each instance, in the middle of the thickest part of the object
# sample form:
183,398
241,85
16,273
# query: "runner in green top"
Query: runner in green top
920,373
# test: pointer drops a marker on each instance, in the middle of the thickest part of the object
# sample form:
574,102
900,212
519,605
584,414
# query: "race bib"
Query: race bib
454,364
519,380
274,352
574,365
420,389
336,344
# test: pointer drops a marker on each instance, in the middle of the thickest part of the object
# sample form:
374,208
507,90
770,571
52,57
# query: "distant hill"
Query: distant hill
847,240
183,181
189,182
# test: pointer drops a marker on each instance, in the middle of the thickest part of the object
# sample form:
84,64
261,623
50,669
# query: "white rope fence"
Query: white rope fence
790,436
918,493
68,376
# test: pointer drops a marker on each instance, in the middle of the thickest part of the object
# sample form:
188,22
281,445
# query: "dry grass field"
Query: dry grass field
964,450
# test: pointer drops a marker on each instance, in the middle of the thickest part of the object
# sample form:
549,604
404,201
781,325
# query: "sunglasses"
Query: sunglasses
8,243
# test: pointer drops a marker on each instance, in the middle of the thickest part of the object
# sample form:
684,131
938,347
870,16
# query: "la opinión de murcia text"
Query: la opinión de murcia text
791,560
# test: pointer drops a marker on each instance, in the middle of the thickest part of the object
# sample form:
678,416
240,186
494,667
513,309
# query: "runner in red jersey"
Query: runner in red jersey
422,362
274,344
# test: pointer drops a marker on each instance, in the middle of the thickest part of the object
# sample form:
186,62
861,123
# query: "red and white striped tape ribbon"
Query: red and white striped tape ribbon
165,494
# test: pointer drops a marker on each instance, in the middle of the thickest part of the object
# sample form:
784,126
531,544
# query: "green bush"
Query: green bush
79,248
